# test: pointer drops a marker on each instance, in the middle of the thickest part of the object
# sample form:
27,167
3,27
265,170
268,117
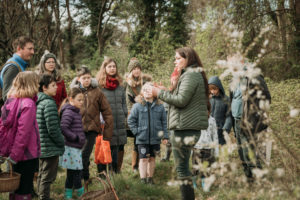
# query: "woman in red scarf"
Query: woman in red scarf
111,85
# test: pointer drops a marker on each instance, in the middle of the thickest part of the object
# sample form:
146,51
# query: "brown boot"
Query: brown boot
134,160
120,160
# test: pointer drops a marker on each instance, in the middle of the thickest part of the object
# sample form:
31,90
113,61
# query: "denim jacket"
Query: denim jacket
148,122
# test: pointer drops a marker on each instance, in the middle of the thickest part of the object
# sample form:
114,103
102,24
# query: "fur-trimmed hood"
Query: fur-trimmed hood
75,83
140,99
129,80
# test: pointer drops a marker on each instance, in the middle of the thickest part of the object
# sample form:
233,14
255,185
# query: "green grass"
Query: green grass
230,184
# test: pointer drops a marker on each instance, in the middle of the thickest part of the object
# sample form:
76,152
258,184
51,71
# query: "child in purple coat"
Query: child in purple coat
72,128
19,135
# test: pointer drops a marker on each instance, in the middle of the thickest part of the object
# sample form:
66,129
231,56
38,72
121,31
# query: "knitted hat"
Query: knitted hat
133,63
47,55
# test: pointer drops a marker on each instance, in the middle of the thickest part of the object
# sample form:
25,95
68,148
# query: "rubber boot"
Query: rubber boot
187,192
22,196
134,161
68,193
120,160
80,192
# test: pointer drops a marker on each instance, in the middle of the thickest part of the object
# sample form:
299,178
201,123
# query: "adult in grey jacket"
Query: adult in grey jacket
188,112
110,83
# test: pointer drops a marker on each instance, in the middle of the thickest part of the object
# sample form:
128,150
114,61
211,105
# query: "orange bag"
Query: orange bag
102,151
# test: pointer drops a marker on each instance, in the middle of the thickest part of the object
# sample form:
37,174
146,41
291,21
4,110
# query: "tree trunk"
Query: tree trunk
70,38
281,18
58,33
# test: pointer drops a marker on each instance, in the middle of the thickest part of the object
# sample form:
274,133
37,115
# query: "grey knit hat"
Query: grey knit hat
133,63
45,57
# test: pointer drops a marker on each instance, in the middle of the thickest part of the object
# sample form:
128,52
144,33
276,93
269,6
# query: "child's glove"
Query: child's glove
11,161
2,160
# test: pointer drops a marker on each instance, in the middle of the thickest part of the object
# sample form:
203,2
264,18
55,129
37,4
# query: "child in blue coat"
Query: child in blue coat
220,107
148,122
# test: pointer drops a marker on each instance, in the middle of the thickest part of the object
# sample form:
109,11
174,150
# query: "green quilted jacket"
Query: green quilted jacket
52,140
188,104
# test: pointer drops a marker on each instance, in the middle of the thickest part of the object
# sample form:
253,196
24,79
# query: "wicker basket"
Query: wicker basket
9,181
107,194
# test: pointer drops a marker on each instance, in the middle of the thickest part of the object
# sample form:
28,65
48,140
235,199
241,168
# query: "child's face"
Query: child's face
111,69
147,93
77,101
51,89
214,90
85,80
50,65
136,72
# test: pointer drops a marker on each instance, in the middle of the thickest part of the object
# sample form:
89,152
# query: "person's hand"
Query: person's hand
165,141
155,91
11,161
2,160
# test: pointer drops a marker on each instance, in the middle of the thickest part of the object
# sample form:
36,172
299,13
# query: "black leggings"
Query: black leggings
73,179
26,169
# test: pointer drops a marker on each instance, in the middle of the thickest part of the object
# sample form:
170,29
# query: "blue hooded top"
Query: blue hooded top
220,109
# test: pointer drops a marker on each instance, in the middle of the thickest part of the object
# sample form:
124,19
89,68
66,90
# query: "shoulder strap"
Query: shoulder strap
3,68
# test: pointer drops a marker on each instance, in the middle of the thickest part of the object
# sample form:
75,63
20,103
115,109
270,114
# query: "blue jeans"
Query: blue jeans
183,142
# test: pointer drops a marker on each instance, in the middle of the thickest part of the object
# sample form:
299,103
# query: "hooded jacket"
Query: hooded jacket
19,134
71,126
188,102
148,121
220,106
94,103
52,141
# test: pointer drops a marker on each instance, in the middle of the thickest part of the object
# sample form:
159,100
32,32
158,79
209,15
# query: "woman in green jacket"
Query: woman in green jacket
188,112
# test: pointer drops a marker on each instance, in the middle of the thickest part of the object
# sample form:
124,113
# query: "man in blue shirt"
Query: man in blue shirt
24,50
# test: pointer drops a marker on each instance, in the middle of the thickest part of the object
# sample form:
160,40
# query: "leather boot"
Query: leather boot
187,192
134,160
120,160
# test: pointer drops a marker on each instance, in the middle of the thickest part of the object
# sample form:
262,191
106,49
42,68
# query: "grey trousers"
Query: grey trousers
47,175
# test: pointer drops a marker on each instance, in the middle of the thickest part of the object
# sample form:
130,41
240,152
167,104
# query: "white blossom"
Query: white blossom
294,112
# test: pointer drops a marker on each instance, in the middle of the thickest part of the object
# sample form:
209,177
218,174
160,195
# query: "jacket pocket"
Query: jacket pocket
142,133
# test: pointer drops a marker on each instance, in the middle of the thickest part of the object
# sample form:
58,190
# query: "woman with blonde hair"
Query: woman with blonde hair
110,83
20,142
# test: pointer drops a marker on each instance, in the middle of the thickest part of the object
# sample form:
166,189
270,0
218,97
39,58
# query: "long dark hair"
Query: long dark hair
193,60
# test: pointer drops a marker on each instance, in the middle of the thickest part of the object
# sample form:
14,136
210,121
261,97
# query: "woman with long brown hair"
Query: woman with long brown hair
188,112
110,83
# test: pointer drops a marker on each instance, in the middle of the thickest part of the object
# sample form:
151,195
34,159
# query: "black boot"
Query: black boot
187,192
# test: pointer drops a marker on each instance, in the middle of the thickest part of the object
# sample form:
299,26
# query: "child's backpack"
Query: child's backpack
2,69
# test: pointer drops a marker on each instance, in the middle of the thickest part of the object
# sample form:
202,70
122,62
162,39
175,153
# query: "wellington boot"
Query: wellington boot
134,160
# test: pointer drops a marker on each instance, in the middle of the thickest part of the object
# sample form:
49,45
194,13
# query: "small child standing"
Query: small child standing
148,122
220,107
72,129
20,141
205,150
52,141
94,103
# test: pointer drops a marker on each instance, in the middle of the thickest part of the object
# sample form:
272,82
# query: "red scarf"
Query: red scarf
111,83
